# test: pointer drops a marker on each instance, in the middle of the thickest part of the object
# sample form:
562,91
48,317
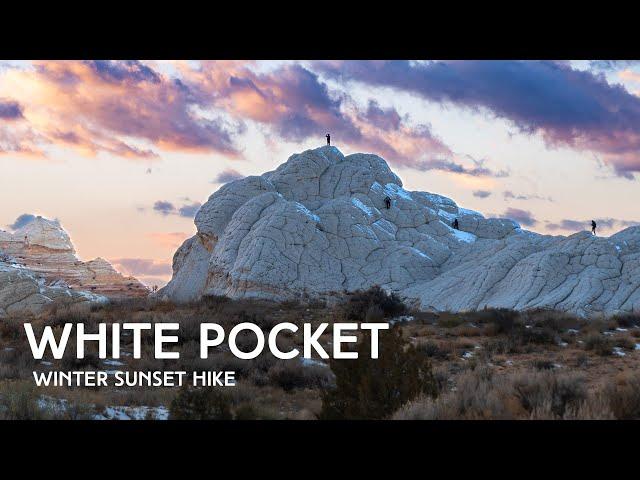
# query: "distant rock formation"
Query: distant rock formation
41,259
319,225
22,292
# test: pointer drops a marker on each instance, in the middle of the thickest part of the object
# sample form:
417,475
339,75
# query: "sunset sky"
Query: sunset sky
124,152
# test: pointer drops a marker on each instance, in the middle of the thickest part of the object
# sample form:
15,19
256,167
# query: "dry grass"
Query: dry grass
490,364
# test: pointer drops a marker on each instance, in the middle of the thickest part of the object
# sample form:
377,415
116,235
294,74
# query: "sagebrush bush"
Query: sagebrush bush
359,303
200,404
482,395
291,374
369,388
599,344
623,395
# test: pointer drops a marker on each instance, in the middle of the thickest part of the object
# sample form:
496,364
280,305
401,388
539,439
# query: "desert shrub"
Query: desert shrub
626,320
16,363
70,361
369,388
249,411
357,305
291,374
19,401
10,329
547,390
213,302
625,341
536,336
480,394
450,320
623,395
498,320
599,344
433,350
553,320
200,404
542,364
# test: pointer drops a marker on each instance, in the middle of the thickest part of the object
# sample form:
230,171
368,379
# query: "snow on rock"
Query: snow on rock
318,225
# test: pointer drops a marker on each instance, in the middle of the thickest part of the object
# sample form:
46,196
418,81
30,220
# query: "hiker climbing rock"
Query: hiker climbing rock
328,139
593,227
455,224
387,202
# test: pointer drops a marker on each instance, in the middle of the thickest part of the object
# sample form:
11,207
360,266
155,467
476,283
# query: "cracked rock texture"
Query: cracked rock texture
38,266
318,226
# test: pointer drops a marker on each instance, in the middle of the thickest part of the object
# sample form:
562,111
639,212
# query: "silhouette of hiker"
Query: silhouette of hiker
593,227
455,224
387,202
328,139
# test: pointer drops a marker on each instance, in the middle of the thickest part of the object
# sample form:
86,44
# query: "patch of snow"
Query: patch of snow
466,211
133,413
467,355
401,318
312,362
305,211
464,236
618,351
391,189
113,363
358,204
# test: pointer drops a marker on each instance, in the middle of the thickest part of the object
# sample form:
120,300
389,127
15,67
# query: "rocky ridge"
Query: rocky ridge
38,266
318,225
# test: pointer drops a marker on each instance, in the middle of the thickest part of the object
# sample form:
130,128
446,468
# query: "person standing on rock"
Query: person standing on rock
387,202
328,139
455,224
593,227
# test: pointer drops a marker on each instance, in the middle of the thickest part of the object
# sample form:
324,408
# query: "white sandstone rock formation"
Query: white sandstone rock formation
38,266
45,248
23,292
318,226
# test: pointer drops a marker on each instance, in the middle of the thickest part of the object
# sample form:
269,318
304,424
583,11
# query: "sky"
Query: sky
123,153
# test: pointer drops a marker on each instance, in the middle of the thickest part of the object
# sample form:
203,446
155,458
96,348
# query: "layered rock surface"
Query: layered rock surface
318,225
38,265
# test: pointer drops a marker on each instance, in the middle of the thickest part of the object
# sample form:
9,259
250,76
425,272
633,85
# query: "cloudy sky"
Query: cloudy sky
123,153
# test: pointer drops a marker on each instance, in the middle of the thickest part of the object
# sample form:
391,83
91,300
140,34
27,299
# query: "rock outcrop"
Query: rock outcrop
23,292
41,254
318,225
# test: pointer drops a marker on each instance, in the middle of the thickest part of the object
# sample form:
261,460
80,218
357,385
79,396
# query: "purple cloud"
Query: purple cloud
189,211
141,266
10,110
579,225
124,71
568,107
163,207
509,195
21,221
523,217
481,193
445,165
227,176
